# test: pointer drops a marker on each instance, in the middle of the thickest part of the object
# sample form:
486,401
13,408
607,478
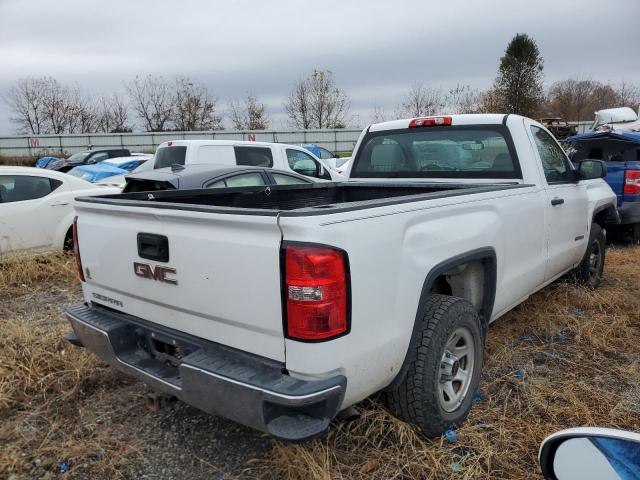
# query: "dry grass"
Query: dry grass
578,350
43,382
579,353
21,273
21,161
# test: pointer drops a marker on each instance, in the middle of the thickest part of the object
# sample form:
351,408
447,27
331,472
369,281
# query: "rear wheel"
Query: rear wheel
444,374
68,241
589,272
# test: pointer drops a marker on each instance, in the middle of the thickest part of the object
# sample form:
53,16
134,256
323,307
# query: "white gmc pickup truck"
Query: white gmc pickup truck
280,307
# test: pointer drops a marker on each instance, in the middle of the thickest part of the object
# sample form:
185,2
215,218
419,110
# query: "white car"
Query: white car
36,208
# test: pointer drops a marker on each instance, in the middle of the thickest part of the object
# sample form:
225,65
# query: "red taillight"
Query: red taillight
430,122
631,182
76,249
316,289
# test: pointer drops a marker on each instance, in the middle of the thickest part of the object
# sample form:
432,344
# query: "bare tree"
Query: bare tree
113,116
249,114
463,99
26,101
316,102
153,100
379,114
628,95
195,107
571,99
59,106
420,101
578,99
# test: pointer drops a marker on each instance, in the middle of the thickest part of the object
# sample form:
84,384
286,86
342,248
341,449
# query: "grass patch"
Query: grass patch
44,381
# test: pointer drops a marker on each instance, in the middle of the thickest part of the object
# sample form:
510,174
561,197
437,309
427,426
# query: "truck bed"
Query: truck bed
293,200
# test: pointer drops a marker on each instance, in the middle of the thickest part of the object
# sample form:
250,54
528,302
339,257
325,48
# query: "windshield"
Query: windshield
145,167
440,152
78,157
167,156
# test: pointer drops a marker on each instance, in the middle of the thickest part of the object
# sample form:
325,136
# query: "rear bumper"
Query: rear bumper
629,212
219,380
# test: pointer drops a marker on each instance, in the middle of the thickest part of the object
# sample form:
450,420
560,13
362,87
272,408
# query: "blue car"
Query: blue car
621,152
108,168
44,161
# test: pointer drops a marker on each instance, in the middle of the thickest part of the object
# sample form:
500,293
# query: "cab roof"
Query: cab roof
465,119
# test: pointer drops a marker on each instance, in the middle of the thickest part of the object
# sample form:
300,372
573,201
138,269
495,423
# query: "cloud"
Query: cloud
376,49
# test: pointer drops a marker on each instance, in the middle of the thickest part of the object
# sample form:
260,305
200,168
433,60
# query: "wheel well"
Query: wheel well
466,281
472,276
68,239
605,216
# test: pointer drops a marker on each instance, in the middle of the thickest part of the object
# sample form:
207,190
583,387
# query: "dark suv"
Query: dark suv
87,157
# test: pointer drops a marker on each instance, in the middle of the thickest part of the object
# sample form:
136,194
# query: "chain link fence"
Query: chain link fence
340,140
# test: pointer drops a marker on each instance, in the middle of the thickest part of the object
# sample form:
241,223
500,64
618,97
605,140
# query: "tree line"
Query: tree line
43,105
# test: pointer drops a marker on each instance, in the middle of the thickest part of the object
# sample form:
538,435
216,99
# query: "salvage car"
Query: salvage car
109,168
88,157
36,211
209,176
280,306
254,154
621,152
558,127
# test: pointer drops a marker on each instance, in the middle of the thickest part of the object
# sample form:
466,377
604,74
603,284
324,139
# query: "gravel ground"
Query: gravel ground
176,441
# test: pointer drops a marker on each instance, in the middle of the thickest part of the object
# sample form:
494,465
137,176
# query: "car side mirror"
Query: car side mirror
602,453
591,169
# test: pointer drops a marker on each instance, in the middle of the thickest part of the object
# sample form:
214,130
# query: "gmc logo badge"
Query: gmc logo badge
158,273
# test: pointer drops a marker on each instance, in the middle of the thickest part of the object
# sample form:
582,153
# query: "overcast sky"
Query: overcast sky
376,49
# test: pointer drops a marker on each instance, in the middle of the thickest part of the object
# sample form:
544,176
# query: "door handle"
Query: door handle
557,201
59,204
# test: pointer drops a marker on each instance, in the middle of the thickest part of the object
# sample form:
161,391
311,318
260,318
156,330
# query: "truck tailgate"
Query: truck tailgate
221,281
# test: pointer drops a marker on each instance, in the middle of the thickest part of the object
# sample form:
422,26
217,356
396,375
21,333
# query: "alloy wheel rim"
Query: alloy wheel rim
456,369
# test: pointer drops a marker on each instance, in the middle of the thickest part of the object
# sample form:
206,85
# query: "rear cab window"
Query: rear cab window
478,151
167,156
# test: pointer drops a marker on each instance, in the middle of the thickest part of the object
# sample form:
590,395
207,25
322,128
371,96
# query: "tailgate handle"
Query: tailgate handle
153,247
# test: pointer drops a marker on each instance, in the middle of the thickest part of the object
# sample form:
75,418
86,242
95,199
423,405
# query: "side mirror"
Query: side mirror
591,169
591,453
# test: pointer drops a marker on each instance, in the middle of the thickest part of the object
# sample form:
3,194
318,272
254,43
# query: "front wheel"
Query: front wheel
589,272
444,373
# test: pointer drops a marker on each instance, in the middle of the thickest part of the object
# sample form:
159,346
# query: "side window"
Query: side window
554,161
18,188
98,157
303,163
283,179
244,180
254,156
325,154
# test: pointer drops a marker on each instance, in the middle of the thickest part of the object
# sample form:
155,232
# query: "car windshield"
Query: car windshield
78,157
167,156
145,167
438,152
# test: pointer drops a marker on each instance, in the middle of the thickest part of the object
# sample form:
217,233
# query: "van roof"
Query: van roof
186,143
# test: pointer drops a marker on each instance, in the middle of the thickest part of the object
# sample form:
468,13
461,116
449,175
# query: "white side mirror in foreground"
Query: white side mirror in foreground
591,454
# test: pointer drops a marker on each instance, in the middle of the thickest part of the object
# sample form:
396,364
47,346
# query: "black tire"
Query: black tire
589,272
67,246
635,234
417,399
